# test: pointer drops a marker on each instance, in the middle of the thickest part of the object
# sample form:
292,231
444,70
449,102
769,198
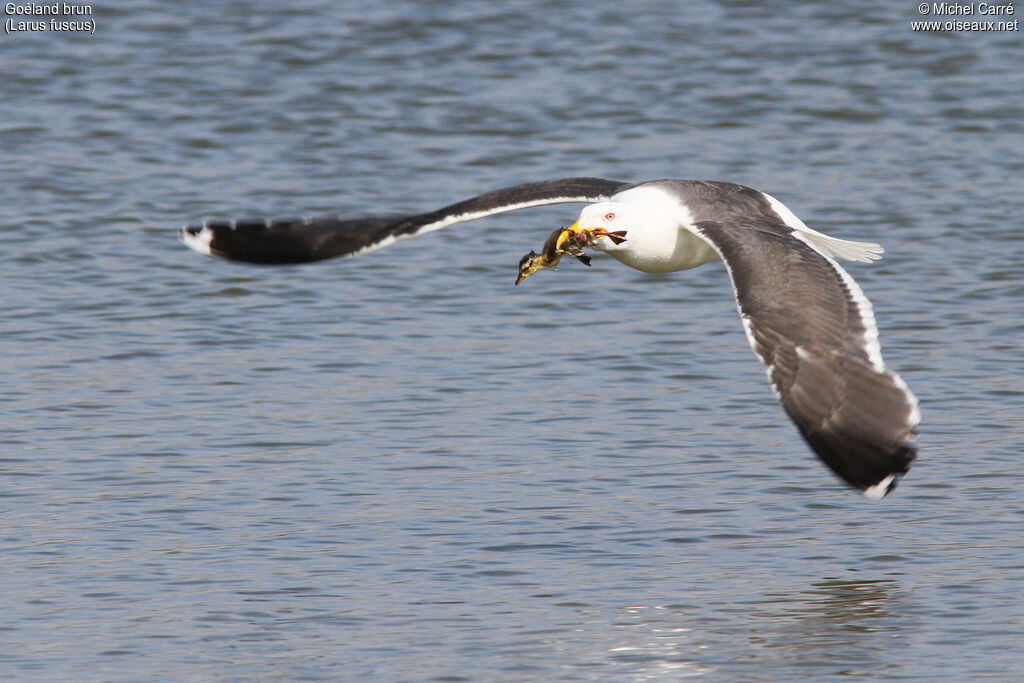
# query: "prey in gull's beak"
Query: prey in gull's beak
529,265
563,241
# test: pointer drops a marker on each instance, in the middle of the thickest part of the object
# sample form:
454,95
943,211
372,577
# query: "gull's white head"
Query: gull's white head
656,222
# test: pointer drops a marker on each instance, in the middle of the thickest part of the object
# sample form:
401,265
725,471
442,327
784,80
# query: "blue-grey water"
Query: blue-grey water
402,468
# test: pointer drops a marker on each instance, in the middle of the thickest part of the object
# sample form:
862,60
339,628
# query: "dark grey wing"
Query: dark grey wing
313,239
813,328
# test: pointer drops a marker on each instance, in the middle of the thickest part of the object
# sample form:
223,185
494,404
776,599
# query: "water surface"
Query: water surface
401,467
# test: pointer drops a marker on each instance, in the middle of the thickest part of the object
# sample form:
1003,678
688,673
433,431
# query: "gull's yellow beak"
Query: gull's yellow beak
584,237
566,234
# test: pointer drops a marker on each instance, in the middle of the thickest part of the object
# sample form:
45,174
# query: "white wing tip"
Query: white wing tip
197,238
879,490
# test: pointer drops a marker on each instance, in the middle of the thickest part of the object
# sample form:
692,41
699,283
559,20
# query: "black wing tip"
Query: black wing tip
872,464
254,240
878,487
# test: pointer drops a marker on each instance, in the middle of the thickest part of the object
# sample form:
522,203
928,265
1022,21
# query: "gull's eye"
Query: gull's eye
609,216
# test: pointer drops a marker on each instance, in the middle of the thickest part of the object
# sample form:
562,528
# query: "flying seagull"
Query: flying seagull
805,317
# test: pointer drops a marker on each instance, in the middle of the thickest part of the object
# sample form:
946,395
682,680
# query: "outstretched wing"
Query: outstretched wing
813,328
312,239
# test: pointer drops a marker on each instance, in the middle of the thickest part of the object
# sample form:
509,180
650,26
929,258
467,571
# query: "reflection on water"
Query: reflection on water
833,627
842,625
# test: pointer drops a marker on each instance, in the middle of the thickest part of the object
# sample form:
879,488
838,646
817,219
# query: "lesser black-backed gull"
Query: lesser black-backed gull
806,318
